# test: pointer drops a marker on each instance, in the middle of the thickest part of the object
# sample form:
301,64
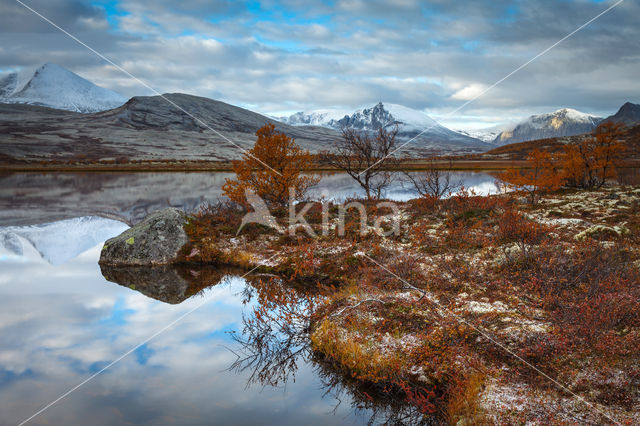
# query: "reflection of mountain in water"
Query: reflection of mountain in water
27,198
59,242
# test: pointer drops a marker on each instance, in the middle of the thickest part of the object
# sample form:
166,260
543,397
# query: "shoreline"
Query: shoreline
463,164
198,166
382,330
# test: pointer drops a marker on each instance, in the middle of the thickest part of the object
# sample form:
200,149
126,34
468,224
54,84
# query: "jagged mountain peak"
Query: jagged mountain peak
54,86
411,123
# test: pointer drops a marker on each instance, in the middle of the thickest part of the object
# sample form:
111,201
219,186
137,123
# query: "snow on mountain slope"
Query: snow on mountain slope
488,134
321,118
563,122
411,124
483,135
56,87
59,242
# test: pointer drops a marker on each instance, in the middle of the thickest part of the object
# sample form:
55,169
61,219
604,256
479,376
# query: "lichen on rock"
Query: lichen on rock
156,240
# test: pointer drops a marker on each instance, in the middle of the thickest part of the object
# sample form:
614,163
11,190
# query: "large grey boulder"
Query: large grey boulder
154,241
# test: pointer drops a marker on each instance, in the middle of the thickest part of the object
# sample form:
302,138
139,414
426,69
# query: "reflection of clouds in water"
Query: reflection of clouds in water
61,324
485,188
339,186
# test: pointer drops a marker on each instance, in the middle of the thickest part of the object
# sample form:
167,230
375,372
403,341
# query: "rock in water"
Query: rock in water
154,241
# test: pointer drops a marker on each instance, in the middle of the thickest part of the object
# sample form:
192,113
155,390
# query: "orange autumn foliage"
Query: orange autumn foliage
270,169
541,175
591,162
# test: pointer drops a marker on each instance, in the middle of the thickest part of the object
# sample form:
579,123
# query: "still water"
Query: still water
28,198
62,321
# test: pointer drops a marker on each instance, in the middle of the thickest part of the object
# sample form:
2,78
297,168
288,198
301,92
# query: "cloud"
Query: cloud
72,15
469,92
293,55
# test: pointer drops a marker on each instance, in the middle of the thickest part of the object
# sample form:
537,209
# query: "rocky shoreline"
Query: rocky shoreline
461,313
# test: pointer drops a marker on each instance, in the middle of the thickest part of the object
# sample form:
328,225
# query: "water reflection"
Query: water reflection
33,198
58,242
167,283
339,186
60,324
61,320
275,340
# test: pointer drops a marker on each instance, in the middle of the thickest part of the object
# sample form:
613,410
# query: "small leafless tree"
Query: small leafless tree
366,158
435,182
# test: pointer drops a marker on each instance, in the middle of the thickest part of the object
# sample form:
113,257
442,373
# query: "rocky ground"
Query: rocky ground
143,129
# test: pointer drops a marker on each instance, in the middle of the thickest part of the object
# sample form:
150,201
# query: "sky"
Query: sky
283,56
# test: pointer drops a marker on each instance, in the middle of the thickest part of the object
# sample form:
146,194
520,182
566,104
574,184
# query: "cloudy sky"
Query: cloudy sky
291,55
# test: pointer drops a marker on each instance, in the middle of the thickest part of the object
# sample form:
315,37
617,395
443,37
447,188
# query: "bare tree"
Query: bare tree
366,158
435,182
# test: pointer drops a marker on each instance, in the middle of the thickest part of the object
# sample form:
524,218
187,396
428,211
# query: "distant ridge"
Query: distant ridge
144,128
563,122
628,114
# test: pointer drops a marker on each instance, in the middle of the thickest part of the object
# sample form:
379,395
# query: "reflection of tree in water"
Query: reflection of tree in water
275,335
275,339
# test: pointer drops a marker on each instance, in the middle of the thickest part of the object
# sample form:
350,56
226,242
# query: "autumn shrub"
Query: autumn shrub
424,206
466,204
272,169
469,219
468,233
540,175
207,226
462,399
592,295
514,227
590,162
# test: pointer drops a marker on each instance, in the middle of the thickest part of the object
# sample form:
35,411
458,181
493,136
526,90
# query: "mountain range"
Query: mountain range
424,133
52,113
144,128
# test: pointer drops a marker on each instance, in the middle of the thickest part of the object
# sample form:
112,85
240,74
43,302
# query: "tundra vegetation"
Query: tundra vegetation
519,307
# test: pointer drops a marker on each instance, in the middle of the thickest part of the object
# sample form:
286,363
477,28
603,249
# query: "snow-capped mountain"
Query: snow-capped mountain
411,124
563,122
59,242
56,87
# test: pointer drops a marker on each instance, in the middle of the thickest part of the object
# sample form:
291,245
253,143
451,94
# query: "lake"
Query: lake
62,321
28,198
